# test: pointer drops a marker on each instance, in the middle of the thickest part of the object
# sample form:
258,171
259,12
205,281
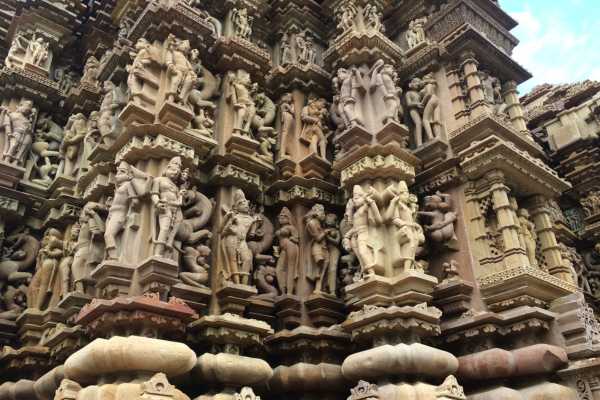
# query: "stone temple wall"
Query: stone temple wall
300,199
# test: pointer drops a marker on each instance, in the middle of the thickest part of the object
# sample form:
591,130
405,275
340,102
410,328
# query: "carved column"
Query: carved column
507,221
547,239
458,97
474,87
514,107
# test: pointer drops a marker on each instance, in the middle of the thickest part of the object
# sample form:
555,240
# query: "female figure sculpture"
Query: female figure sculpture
287,264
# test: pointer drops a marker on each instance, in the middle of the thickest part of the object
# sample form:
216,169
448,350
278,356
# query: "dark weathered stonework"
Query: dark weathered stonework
246,199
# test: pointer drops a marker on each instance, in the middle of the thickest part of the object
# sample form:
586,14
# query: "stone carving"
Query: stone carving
18,257
88,246
237,90
527,236
45,287
492,90
319,247
265,279
415,35
65,264
287,268
17,51
346,17
334,240
205,89
91,70
297,48
591,203
91,139
287,119
246,394
130,185
180,71
71,146
314,128
359,19
13,297
46,150
113,102
242,23
438,211
423,108
138,70
389,79
578,267
238,226
364,391
369,227
16,126
34,51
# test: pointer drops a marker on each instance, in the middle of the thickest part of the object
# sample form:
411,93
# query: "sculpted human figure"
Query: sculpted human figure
167,198
70,147
265,277
237,227
265,112
287,113
38,51
180,70
138,70
527,236
286,50
287,268
64,267
196,265
88,249
319,250
18,256
91,69
129,187
361,212
40,291
18,45
414,105
401,211
238,92
346,17
411,36
112,103
18,130
90,141
13,299
389,78
334,238
431,112
343,84
372,18
241,22
314,115
438,210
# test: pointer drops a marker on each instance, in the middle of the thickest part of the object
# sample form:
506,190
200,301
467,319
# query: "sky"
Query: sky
559,39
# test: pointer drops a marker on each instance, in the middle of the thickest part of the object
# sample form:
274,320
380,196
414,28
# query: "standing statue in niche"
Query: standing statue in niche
41,290
286,50
138,70
438,211
46,150
414,105
242,23
334,238
314,117
319,249
431,113
343,86
180,71
91,70
578,267
527,236
38,51
389,81
238,226
112,104
346,17
167,198
64,267
287,113
17,51
206,88
361,213
130,185
415,35
238,89
88,249
70,147
264,115
287,268
372,18
18,130
90,141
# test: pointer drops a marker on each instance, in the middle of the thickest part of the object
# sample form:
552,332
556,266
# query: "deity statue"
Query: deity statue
180,71
415,34
64,266
238,89
91,70
38,51
42,292
334,238
47,143
343,87
527,236
389,79
90,141
287,115
237,227
206,87
414,105
167,197
287,268
113,102
286,50
75,132
346,17
431,112
319,249
487,83
362,212
314,116
438,210
242,23
17,51
130,185
88,247
138,70
372,18
309,54
17,128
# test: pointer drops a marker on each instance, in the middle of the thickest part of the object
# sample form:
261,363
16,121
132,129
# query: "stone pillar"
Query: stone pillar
547,239
507,222
514,108
457,95
474,87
